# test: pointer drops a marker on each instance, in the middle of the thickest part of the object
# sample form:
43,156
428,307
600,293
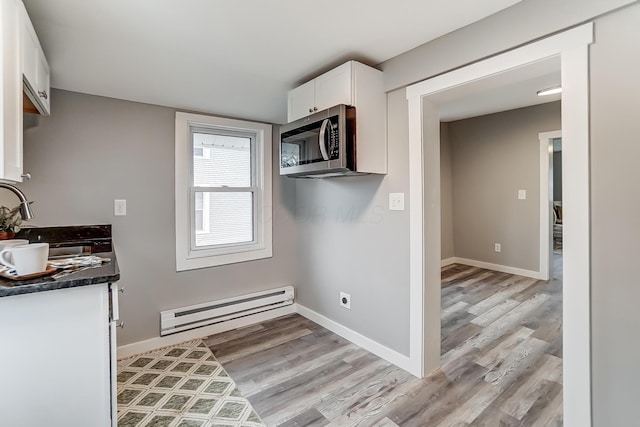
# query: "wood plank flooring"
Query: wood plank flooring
501,363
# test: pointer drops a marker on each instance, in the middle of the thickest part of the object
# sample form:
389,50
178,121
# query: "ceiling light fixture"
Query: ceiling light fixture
550,91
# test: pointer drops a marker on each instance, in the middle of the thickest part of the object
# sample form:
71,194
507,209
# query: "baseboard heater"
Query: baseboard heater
196,316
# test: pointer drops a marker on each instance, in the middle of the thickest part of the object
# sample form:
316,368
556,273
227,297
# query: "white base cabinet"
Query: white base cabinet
56,358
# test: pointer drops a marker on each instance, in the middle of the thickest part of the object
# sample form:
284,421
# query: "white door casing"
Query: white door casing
572,47
546,192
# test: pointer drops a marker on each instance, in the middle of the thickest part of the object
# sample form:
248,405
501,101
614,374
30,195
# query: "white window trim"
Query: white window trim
205,215
187,259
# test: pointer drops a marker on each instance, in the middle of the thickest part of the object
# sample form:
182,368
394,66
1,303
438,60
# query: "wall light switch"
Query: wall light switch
522,194
396,201
119,207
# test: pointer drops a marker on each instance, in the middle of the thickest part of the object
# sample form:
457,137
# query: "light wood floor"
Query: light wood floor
501,363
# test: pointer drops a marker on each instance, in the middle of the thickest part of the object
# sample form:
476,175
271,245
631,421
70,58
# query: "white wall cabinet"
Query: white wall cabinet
10,91
331,88
57,360
358,85
302,101
25,70
35,68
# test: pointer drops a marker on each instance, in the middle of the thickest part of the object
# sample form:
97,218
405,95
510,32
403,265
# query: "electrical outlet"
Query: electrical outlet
345,300
498,247
522,194
119,207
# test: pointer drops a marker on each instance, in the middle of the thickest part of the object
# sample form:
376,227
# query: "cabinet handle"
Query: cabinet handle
315,108
120,324
43,94
311,110
26,176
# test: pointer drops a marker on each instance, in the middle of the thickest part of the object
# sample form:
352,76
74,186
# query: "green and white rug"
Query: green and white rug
180,386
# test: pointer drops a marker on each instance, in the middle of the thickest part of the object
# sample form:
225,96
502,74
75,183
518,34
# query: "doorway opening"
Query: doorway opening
496,312
424,170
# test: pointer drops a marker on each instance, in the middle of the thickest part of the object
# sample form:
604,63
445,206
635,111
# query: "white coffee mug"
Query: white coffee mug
26,259
12,242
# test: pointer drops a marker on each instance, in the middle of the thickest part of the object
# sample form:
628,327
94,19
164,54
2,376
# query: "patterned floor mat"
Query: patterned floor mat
180,386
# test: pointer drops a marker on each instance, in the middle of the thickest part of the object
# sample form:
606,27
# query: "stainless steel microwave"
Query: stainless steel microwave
321,145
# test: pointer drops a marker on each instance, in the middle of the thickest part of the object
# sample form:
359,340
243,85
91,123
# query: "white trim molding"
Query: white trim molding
572,47
546,195
448,261
391,356
155,343
187,257
496,267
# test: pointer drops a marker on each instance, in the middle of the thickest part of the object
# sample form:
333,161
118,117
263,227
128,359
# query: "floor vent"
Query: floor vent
196,316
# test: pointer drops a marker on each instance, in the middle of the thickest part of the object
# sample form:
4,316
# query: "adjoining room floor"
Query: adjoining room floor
501,363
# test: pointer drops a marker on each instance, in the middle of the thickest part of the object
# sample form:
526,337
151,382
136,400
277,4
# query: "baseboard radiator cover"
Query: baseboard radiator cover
196,316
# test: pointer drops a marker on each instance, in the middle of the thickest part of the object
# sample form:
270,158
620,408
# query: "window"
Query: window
223,191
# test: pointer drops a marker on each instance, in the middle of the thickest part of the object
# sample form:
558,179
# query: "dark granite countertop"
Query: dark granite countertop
105,273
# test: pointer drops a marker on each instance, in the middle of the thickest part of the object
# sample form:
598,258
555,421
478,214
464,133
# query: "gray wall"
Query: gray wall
492,157
511,27
615,213
93,150
447,249
349,241
557,176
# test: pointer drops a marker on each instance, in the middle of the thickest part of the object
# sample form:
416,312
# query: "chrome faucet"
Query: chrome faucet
25,209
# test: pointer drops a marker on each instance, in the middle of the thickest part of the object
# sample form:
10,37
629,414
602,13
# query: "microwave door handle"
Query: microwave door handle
323,147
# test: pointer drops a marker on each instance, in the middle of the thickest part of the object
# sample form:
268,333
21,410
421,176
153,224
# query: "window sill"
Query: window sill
194,262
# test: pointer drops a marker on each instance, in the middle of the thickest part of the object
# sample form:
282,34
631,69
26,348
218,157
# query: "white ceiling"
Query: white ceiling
230,57
512,89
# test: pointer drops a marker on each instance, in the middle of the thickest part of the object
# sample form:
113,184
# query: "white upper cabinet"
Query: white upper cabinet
331,88
360,86
10,92
35,68
301,101
24,70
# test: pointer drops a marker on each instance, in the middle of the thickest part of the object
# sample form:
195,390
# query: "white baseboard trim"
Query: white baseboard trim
368,344
498,267
132,349
448,261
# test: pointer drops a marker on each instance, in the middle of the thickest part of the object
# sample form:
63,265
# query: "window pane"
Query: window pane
227,163
230,219
199,221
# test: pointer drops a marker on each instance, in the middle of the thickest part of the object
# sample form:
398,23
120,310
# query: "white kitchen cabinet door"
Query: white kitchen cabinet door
301,101
10,91
334,87
43,85
35,68
54,363
328,90
30,47
114,323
